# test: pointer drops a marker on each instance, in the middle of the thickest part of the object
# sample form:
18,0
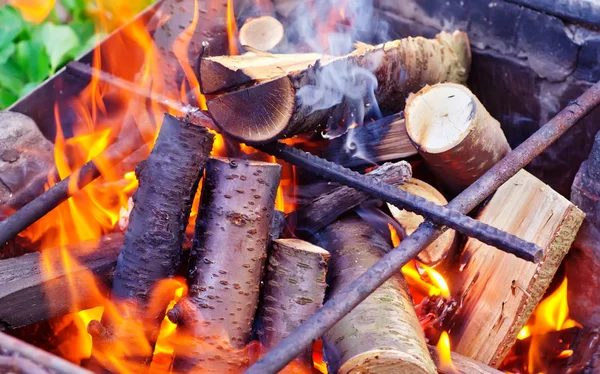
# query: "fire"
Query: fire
34,11
232,30
446,365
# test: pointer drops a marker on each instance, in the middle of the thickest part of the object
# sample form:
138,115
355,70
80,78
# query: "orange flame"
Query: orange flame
443,346
232,30
34,11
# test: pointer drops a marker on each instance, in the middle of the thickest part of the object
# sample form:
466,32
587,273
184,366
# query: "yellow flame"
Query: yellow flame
443,346
524,333
34,11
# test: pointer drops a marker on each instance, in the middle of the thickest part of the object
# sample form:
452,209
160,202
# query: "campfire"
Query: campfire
268,187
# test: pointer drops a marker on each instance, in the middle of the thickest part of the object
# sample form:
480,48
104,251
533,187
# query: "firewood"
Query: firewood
221,73
381,141
439,249
328,207
168,180
262,33
462,364
294,288
33,285
382,334
26,159
500,291
294,103
226,265
454,133
582,265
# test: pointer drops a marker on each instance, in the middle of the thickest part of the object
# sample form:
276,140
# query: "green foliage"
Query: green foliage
30,53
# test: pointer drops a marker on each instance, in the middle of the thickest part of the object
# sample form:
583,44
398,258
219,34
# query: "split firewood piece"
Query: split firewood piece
382,334
384,140
337,90
328,207
439,249
460,364
454,133
152,247
33,285
500,291
262,33
294,288
226,265
221,73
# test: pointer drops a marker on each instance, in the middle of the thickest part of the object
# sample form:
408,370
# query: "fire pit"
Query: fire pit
337,187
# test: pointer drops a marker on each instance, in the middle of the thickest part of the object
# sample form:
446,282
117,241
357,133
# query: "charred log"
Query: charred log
294,288
226,265
382,334
328,207
408,221
454,133
33,285
168,180
286,106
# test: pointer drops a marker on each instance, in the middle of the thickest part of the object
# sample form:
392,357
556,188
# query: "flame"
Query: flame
317,356
446,365
232,30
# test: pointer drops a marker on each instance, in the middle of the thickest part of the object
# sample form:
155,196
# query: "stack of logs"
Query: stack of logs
258,98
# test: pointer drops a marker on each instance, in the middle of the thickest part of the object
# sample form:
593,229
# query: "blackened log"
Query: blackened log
294,288
168,181
36,286
226,265
380,141
290,104
382,334
328,207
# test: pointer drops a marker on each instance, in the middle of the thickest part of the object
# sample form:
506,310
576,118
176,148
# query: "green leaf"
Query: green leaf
11,79
32,59
60,41
75,7
6,52
11,24
28,88
83,29
6,98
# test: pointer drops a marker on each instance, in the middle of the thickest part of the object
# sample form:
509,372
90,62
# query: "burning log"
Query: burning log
292,103
454,133
460,364
327,208
262,33
489,319
294,289
583,263
226,265
439,249
382,334
168,180
33,285
27,359
380,141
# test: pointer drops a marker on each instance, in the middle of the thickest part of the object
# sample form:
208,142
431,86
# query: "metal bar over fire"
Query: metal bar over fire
347,299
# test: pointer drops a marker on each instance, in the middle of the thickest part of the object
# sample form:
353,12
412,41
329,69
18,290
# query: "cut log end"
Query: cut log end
301,245
441,116
262,33
439,249
256,116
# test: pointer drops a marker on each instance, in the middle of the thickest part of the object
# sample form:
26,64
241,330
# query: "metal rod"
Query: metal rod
40,356
340,305
435,213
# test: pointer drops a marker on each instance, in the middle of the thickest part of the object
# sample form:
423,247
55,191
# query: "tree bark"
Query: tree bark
326,208
168,180
295,103
434,253
382,334
226,265
489,319
384,140
454,133
36,286
294,288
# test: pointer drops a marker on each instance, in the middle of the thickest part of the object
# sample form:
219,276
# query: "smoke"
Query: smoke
331,27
